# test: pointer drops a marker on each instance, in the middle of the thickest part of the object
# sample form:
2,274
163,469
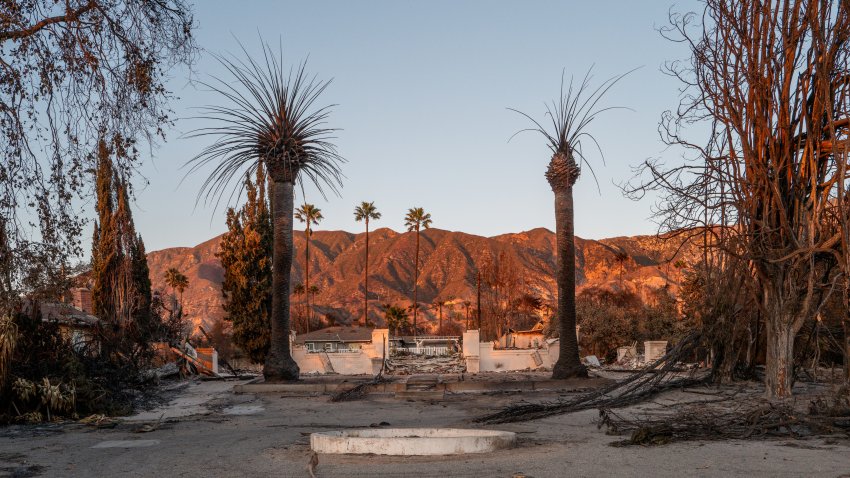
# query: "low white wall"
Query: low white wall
499,360
307,363
482,357
357,362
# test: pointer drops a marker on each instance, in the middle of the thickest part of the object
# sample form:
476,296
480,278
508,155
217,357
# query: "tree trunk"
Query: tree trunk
279,363
415,281
779,362
366,279
568,364
846,324
309,311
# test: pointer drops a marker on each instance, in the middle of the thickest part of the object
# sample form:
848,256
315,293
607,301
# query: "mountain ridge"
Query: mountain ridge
449,261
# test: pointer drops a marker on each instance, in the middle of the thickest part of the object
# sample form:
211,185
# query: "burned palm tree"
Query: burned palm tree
569,117
271,118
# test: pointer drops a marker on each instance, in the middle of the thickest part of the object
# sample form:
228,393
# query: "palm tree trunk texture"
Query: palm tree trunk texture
279,363
307,274
415,281
366,279
568,364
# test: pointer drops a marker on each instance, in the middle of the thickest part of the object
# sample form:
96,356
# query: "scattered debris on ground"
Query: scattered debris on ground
654,378
409,364
725,419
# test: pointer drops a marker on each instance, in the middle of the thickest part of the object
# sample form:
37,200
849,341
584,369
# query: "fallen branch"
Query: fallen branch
651,380
749,419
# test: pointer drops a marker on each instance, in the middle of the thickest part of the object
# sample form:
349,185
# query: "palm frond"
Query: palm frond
269,117
570,114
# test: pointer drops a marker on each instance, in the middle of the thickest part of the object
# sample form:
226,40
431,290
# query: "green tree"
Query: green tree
415,220
246,256
396,317
569,116
122,289
105,255
364,212
312,216
142,316
271,119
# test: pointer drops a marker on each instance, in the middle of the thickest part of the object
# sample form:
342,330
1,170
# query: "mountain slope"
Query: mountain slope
449,263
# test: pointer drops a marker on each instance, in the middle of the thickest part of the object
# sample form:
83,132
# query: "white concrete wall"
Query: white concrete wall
500,360
482,357
351,363
471,340
356,362
307,363
654,350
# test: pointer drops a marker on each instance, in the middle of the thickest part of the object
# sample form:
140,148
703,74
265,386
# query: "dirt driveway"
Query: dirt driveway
207,430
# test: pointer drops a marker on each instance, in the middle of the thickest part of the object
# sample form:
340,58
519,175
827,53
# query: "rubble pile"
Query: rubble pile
409,364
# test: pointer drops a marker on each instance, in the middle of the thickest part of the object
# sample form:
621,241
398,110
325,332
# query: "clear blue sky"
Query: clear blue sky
422,90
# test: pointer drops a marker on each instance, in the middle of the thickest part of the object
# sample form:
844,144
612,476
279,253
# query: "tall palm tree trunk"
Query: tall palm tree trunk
366,279
415,281
279,363
568,364
309,312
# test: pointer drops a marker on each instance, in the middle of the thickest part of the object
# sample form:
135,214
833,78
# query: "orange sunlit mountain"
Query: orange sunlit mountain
449,261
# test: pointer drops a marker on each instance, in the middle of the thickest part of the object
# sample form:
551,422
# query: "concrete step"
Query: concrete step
420,394
421,383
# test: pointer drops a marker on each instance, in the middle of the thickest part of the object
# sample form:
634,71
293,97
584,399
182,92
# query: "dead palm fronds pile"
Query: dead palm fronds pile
657,377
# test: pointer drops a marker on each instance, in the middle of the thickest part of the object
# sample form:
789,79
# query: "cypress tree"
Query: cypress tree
141,286
246,255
122,288
104,247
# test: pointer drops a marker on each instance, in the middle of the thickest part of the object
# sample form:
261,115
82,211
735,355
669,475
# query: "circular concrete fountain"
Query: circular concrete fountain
411,441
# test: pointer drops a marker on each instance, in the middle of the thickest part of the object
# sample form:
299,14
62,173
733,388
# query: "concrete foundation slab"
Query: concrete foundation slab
411,441
126,444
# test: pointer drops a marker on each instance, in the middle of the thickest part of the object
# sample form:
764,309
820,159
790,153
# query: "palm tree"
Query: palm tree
364,212
311,215
271,119
416,219
569,116
621,257
396,317
299,324
466,305
438,307
177,281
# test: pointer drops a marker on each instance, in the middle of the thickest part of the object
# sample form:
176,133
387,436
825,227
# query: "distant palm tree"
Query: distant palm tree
438,307
298,290
364,212
467,304
272,119
621,257
311,215
415,220
177,281
569,115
